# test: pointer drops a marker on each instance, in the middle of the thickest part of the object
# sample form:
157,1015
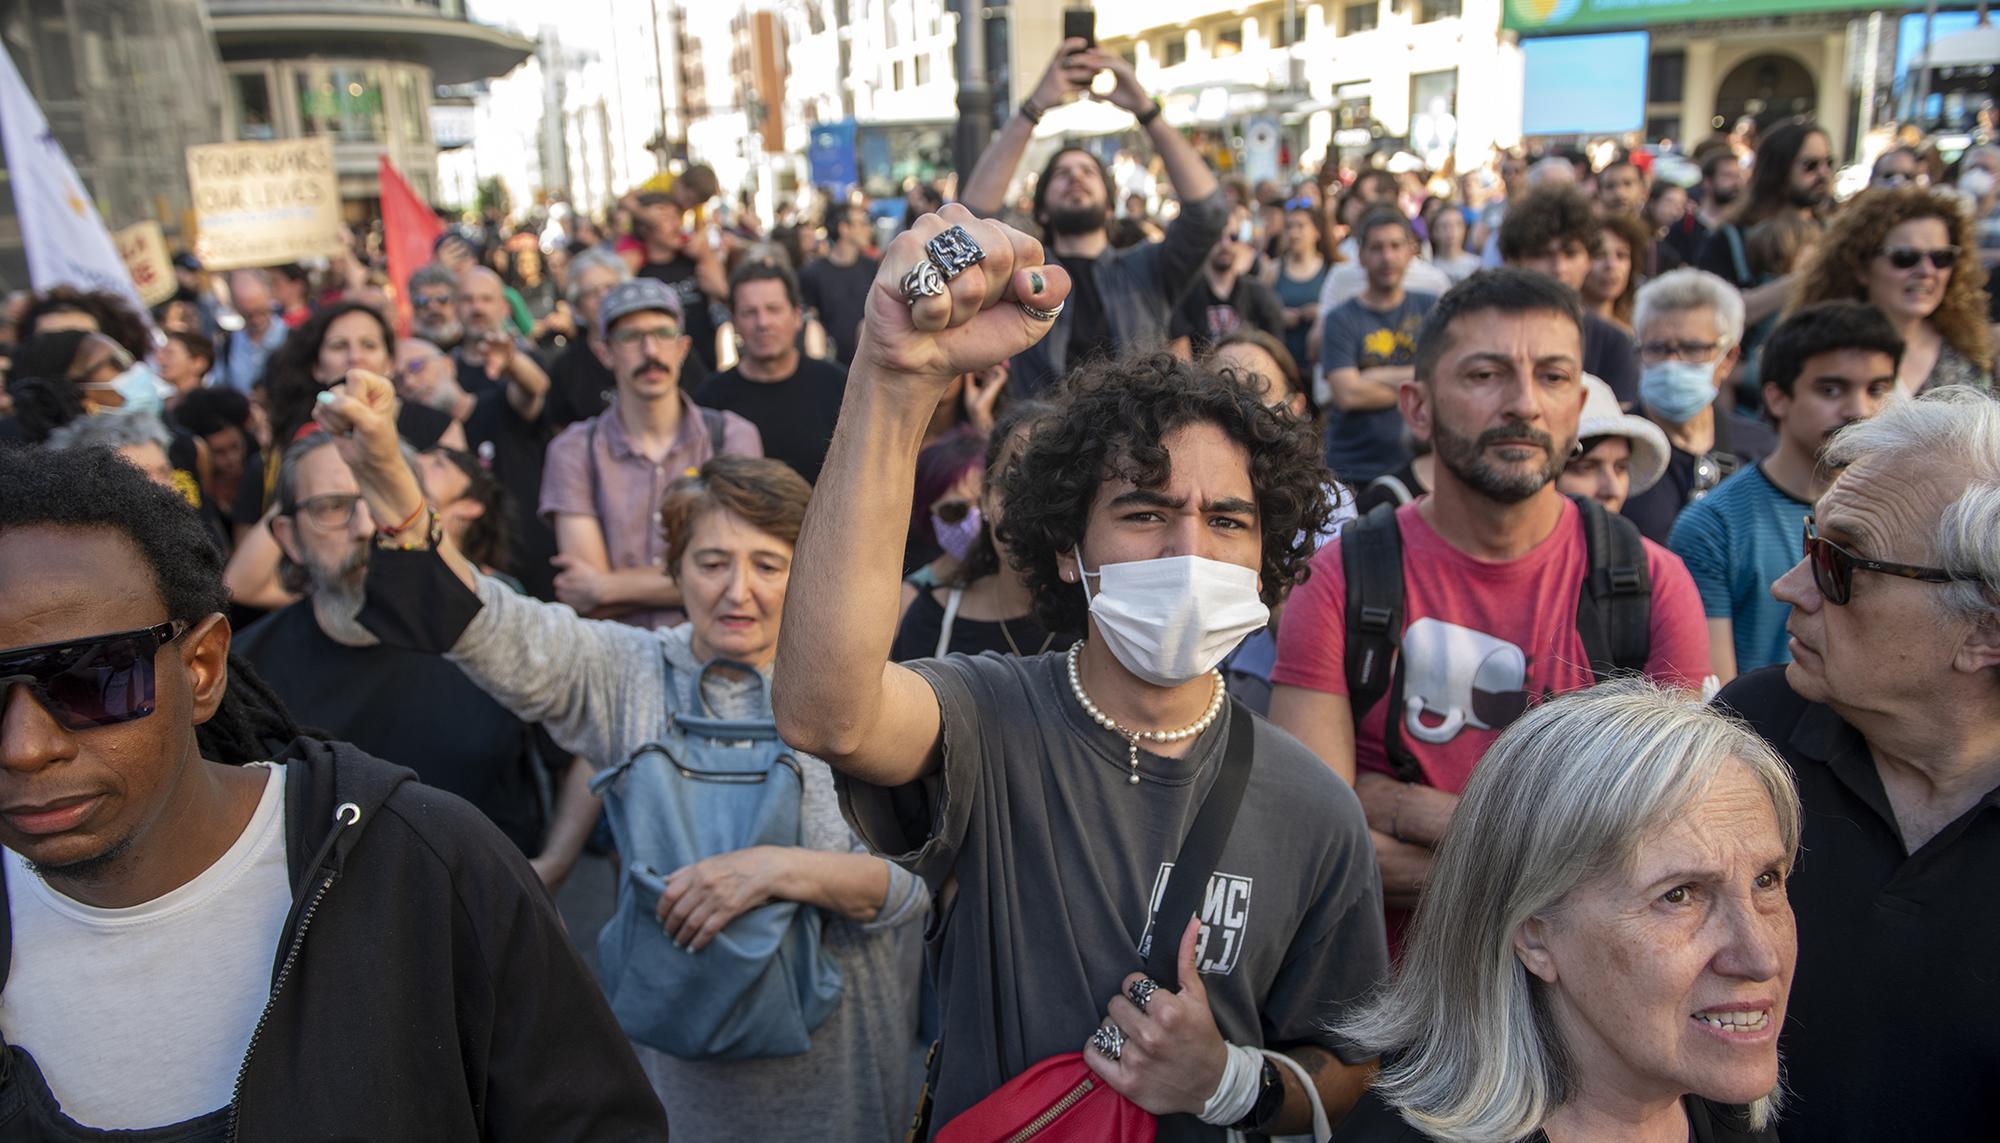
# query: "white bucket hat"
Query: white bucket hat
1603,418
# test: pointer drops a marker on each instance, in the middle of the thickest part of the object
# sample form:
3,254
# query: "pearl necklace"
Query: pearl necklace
1131,736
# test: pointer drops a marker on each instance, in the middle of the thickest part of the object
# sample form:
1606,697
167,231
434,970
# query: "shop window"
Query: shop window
1666,77
344,102
1360,18
1228,41
1174,51
251,92
1429,10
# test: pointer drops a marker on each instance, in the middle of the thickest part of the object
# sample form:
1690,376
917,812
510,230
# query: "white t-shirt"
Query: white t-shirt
139,1017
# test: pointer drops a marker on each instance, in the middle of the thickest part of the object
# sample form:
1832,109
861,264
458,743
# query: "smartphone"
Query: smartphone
1080,24
1246,231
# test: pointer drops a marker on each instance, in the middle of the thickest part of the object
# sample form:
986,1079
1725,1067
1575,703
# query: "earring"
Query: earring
1575,449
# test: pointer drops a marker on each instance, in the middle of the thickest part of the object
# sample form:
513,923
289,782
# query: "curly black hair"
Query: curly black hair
1109,419
115,319
94,488
1546,215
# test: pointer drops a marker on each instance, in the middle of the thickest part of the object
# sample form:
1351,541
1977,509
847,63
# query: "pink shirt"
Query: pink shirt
600,474
1481,641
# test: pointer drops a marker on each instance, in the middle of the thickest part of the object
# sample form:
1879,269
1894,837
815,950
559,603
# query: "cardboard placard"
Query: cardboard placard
264,204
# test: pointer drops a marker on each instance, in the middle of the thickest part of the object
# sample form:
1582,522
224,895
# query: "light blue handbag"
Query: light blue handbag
712,786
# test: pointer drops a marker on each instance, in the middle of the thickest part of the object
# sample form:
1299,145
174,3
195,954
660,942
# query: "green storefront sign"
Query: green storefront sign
1545,17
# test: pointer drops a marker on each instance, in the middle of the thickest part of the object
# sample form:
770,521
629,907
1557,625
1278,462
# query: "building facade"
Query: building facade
127,86
360,71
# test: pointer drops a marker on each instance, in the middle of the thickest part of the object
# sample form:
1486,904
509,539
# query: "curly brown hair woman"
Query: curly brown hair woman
1909,252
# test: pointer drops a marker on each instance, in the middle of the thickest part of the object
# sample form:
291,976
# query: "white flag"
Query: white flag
66,241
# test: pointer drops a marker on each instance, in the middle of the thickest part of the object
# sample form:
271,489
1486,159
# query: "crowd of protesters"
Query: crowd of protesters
1390,657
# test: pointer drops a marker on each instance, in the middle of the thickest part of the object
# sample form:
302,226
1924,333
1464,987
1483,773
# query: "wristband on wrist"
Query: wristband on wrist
385,530
1235,1094
1151,113
1030,111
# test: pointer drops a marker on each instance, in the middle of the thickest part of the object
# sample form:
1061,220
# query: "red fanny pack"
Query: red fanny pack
1058,1100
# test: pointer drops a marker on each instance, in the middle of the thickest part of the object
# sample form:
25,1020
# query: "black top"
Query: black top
696,321
512,449
1893,1029
839,295
1610,356
580,386
1740,441
1089,329
415,710
1373,1121
1205,318
917,635
794,416
420,425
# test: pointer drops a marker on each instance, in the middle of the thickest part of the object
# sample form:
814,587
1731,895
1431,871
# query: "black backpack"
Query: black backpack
1613,611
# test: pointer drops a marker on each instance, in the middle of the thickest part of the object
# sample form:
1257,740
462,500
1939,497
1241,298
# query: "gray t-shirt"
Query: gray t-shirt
1059,861
1361,446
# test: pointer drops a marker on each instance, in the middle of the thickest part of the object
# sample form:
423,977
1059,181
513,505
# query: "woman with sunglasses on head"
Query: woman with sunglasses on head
980,601
1909,252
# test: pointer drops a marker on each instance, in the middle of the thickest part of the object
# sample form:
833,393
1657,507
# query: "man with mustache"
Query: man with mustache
1121,301
1494,562
606,476
336,676
1825,368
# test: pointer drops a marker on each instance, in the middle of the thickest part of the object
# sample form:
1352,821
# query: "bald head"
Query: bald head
481,299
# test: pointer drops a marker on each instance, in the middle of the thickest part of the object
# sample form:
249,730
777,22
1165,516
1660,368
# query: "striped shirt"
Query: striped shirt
1736,542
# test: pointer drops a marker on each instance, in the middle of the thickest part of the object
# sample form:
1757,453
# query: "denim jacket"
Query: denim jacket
1139,287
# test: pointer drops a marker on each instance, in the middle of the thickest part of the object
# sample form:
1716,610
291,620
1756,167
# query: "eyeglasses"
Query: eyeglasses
1907,257
1833,567
329,512
91,682
1301,203
425,301
1698,352
627,338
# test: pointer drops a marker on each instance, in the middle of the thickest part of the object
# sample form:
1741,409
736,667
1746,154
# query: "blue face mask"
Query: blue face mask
138,385
1677,390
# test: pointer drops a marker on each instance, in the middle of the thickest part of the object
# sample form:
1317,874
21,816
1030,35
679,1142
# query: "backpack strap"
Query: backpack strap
1615,608
1200,850
1371,558
712,419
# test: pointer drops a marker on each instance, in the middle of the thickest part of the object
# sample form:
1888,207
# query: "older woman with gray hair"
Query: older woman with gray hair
1606,948
136,435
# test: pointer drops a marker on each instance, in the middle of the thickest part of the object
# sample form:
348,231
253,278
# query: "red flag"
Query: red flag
410,230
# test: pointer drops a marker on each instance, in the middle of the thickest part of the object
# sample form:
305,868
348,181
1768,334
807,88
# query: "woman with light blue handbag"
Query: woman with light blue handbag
764,964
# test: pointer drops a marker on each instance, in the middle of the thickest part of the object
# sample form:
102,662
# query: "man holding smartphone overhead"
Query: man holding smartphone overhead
1121,300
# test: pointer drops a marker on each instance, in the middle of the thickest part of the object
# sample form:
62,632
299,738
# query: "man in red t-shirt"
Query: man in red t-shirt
1493,561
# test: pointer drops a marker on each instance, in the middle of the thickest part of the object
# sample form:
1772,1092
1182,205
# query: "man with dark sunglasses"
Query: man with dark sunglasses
216,928
1889,714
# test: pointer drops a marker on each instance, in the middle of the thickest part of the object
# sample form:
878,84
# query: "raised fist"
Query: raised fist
981,316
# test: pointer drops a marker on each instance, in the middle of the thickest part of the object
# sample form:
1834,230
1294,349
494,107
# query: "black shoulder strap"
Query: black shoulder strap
1371,557
1200,851
712,418
1614,610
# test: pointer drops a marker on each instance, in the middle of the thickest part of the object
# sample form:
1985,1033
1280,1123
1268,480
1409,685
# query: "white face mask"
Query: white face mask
1173,619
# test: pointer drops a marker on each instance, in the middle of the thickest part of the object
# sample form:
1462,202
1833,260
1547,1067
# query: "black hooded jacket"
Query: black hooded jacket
423,988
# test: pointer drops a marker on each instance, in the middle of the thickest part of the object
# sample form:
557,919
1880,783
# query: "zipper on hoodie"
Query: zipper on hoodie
344,815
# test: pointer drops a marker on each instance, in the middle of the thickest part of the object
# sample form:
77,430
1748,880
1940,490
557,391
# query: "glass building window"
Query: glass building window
344,102
1285,33
1666,77
1360,18
1429,10
1228,41
251,92
410,97
1174,51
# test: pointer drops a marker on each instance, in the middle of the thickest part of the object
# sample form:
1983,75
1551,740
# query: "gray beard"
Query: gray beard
444,334
337,599
1466,458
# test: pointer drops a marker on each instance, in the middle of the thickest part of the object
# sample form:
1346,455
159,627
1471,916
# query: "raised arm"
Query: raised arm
985,190
834,691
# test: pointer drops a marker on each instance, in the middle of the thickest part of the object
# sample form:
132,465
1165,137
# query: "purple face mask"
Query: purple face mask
956,537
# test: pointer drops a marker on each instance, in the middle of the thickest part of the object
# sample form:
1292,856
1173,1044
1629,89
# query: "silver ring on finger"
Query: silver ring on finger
954,252
1109,1040
923,281
1040,314
1141,991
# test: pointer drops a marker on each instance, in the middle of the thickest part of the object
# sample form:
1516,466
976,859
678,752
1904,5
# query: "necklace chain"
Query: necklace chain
1016,647
1131,736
